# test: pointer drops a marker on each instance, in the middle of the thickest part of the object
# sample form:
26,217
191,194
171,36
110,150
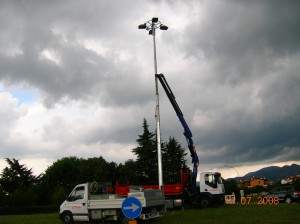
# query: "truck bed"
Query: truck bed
148,198
169,189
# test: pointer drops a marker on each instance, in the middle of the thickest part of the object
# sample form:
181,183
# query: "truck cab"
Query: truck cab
211,182
74,208
209,191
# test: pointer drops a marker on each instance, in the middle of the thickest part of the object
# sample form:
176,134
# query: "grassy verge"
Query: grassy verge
227,214
31,219
237,214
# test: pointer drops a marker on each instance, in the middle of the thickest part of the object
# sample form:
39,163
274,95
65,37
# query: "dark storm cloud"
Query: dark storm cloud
245,39
32,29
253,51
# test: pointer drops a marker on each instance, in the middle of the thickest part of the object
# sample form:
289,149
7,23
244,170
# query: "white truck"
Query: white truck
90,202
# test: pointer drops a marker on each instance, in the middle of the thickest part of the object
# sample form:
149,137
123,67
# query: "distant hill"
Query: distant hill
275,172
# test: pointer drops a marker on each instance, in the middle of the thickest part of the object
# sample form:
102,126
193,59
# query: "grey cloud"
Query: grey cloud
81,73
252,49
233,67
244,40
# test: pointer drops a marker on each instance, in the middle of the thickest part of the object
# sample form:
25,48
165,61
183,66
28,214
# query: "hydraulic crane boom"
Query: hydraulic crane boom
187,132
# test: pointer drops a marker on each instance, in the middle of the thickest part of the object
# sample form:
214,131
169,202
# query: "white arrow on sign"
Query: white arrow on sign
133,207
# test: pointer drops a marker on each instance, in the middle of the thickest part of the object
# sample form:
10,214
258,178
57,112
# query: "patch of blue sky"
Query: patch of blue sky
25,96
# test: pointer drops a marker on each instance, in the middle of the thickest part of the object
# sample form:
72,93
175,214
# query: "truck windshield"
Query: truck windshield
210,180
77,193
213,179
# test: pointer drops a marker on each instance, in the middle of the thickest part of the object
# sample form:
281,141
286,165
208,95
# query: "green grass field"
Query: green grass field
227,214
238,214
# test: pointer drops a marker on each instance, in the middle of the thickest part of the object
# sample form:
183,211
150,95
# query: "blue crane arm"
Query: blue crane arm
187,132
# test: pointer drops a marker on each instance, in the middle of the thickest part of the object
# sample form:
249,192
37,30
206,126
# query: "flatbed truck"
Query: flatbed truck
91,202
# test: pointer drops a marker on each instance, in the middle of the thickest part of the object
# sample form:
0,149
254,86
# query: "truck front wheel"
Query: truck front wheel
67,218
203,202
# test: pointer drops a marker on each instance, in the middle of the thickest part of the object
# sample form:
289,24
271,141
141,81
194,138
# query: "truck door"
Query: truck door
221,188
78,204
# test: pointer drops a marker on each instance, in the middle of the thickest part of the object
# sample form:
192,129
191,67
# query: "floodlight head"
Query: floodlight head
163,27
142,26
154,20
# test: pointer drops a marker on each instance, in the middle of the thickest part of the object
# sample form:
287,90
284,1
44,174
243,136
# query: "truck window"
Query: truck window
210,180
78,193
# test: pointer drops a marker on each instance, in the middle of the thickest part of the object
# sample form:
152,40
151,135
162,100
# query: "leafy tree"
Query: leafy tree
2,196
97,169
58,195
17,185
21,198
126,172
146,153
64,172
173,160
17,177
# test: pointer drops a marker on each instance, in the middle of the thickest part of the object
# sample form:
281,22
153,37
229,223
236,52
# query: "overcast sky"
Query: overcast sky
77,79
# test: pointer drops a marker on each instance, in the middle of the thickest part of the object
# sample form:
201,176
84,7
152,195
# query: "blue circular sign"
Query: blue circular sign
131,207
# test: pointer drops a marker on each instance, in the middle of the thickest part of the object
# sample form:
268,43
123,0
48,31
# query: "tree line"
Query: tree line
20,187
